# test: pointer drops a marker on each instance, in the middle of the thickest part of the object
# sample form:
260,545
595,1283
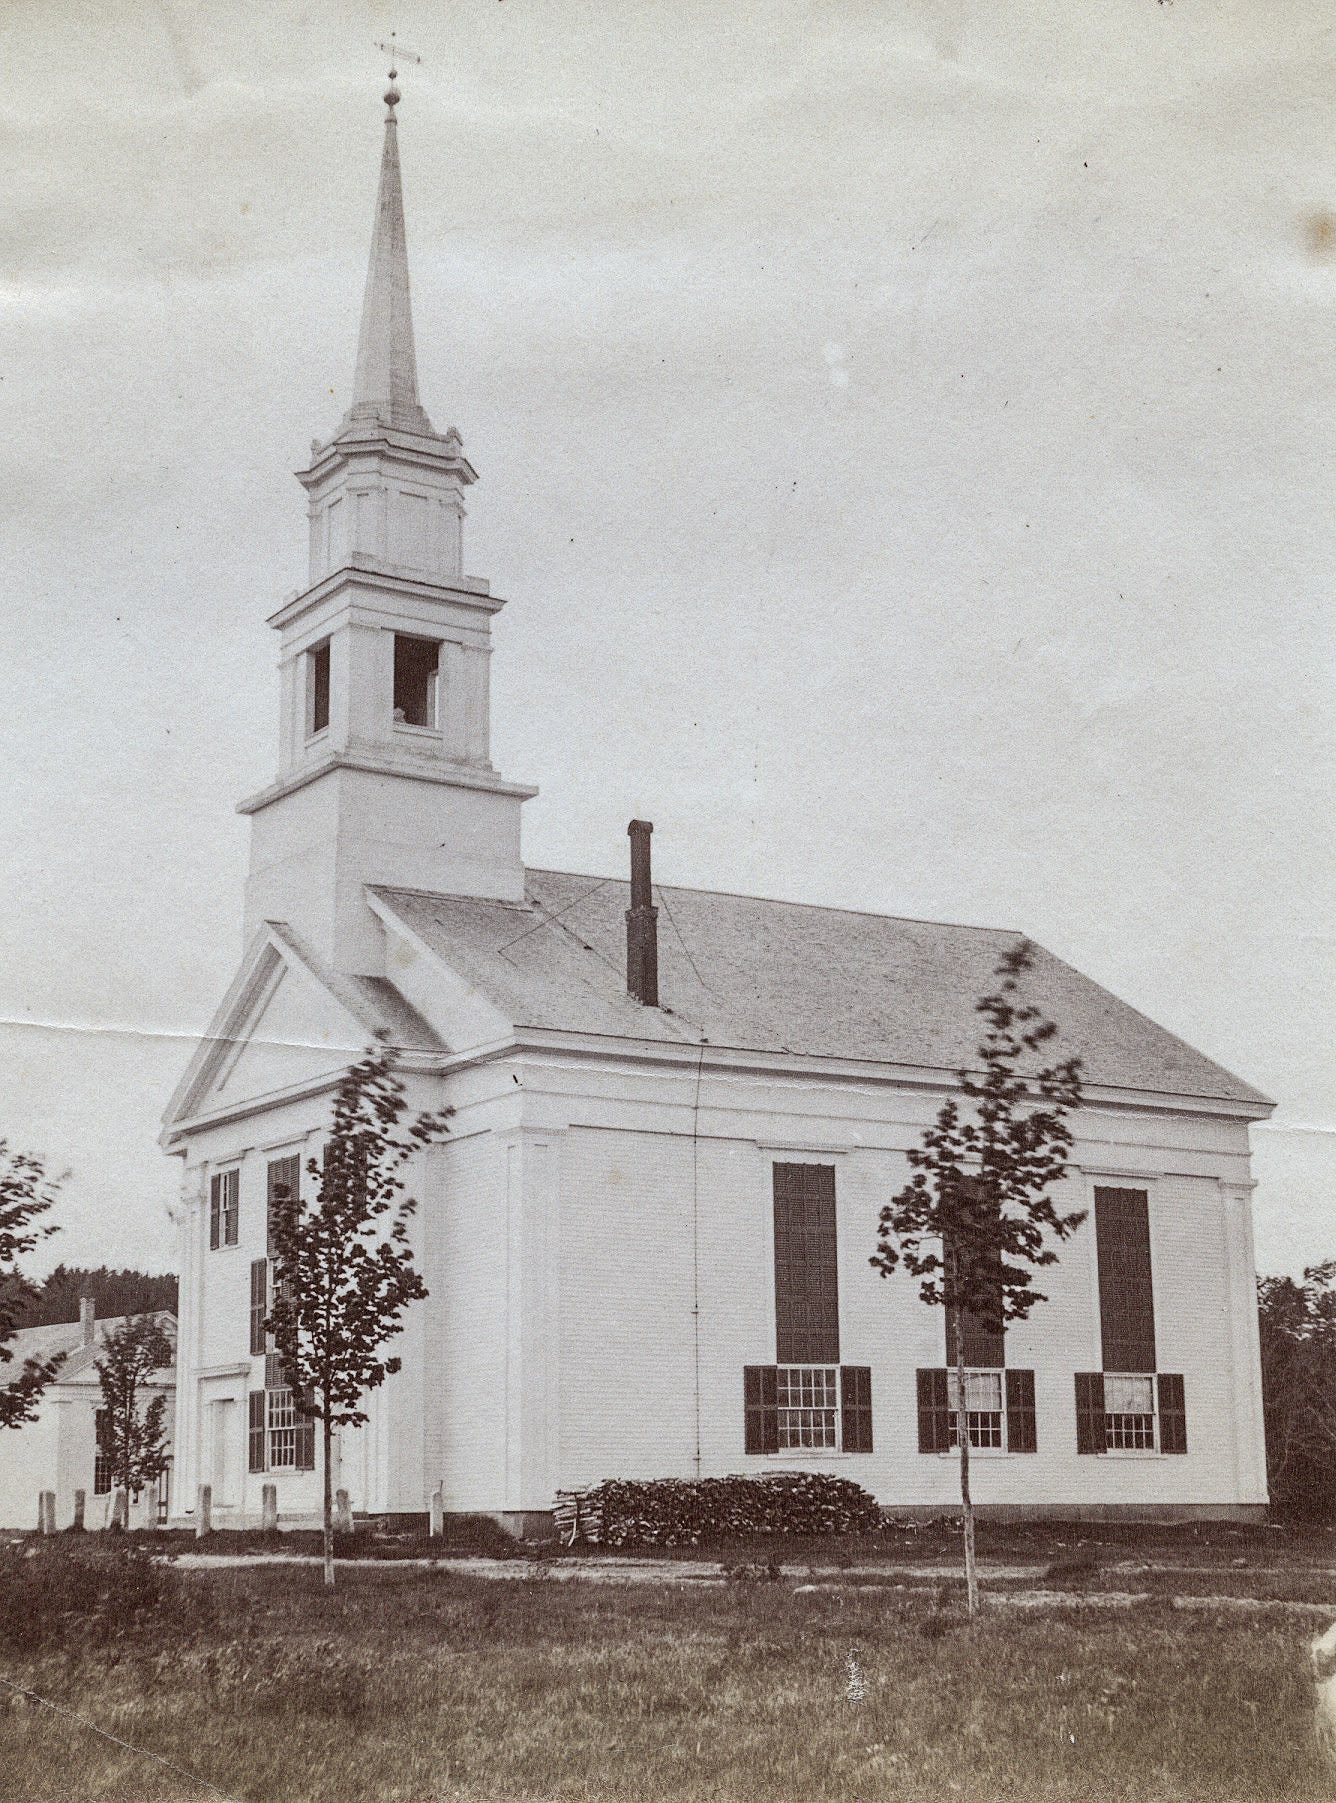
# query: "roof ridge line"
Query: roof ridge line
959,926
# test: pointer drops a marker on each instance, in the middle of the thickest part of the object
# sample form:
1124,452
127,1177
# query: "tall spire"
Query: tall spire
385,389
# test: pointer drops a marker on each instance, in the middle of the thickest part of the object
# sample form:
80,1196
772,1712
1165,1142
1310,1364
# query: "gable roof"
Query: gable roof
784,977
66,1337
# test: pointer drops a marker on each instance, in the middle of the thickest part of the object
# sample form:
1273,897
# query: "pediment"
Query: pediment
280,1028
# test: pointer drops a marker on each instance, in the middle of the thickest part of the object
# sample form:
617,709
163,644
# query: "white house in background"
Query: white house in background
677,1113
57,1450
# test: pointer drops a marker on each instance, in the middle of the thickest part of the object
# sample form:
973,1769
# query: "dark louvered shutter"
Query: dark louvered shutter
934,1423
284,1181
807,1307
215,1212
259,1303
1126,1303
760,1400
231,1207
856,1408
1090,1434
1173,1413
1022,1433
984,1335
255,1429
305,1443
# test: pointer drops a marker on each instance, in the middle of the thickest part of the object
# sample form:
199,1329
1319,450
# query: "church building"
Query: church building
677,1113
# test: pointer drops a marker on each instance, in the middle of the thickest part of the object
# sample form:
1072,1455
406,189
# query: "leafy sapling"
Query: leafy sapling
977,1218
344,1269
132,1435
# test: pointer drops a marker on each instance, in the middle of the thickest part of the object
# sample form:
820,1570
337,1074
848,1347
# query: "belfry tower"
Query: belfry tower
384,771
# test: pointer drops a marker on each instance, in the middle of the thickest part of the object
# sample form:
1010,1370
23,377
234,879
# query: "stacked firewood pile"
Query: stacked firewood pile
681,1512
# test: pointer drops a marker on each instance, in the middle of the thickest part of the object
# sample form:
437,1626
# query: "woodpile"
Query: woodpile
685,1512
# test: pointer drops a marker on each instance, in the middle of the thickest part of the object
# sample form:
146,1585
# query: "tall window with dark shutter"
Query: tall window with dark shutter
1127,1407
224,1208
283,1183
807,1304
807,1399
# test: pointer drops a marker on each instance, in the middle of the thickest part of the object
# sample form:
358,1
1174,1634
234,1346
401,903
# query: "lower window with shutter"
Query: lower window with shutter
1130,1411
791,1408
999,1410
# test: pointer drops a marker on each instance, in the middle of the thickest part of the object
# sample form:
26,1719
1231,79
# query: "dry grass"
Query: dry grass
408,1685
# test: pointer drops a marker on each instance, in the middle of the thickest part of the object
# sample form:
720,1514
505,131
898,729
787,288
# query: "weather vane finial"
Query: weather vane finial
397,53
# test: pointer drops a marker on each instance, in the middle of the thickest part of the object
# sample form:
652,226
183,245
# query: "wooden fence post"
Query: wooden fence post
46,1512
438,1512
343,1513
204,1513
269,1519
80,1505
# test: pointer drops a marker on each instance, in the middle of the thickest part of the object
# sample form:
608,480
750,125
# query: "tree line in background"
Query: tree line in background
1297,1322
113,1292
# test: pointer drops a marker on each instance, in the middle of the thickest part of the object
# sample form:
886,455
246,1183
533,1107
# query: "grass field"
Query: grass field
414,1685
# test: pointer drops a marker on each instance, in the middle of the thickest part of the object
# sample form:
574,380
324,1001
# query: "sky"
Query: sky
905,442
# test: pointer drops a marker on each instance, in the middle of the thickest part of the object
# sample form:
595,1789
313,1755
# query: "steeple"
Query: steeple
385,388
384,767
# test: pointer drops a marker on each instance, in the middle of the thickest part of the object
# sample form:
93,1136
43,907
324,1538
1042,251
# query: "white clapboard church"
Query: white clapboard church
677,1112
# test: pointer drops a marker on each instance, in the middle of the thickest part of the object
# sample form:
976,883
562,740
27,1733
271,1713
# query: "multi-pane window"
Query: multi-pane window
224,1207
808,1400
101,1463
1129,1413
984,1416
416,679
282,1424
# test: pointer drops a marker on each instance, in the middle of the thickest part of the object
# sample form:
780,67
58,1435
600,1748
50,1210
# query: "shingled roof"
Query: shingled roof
784,977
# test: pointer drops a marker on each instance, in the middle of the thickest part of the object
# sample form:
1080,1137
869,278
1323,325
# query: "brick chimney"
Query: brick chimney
642,922
87,1316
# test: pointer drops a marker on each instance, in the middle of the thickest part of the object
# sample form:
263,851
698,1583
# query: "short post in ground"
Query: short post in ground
343,1513
269,1508
437,1518
46,1512
80,1506
204,1512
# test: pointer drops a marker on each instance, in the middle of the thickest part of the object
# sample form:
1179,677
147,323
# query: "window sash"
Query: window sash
224,1208
1129,1412
282,1424
985,1408
808,1403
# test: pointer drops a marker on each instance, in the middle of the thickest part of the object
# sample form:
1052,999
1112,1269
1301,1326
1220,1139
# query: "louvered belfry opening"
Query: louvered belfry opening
642,921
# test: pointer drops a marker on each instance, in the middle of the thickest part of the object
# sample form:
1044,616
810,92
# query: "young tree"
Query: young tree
976,1219
26,1194
131,1436
343,1265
